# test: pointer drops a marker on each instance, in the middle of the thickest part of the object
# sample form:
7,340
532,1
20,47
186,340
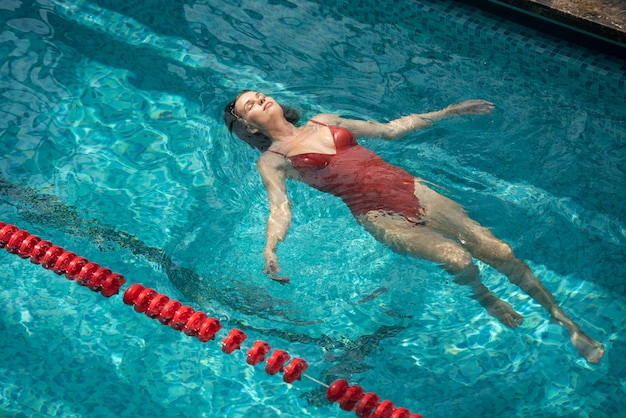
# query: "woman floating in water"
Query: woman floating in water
397,208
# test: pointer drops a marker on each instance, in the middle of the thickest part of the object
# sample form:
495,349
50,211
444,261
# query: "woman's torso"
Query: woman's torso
359,176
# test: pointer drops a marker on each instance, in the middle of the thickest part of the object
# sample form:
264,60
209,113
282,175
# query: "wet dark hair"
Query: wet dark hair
238,126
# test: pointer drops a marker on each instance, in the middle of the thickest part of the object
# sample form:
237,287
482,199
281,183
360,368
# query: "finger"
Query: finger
272,270
280,279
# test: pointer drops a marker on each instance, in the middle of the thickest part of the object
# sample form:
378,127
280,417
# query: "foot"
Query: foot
587,347
503,311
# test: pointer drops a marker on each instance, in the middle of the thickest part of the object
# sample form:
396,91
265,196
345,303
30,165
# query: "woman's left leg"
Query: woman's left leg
448,216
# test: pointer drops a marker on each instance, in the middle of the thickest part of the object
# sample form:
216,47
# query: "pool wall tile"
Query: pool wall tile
466,30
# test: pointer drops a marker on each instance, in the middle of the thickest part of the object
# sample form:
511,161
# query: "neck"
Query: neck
281,131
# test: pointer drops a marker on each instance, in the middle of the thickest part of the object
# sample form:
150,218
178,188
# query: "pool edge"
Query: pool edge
576,27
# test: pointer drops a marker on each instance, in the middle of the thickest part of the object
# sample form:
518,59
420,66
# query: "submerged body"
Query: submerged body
363,180
397,208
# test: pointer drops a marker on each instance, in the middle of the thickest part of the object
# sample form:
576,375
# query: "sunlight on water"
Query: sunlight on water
534,199
113,146
129,31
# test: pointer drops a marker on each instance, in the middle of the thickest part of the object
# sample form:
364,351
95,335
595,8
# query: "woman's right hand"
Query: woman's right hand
272,269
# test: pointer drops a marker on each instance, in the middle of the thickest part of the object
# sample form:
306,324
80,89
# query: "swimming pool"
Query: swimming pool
113,147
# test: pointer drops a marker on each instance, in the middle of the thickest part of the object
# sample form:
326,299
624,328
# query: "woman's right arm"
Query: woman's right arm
273,172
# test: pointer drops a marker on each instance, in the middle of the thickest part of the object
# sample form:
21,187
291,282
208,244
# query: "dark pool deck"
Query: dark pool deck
600,24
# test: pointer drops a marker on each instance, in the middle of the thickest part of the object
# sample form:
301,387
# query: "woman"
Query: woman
395,207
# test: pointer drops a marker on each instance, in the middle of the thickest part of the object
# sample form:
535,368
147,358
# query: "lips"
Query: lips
268,104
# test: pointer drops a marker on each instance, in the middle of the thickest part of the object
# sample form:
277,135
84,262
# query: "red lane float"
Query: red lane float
186,319
365,405
384,410
336,390
351,397
195,321
171,312
233,341
403,413
276,362
168,311
197,324
208,329
294,370
258,352
55,258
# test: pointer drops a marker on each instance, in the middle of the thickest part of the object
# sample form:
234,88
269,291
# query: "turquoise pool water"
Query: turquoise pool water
113,147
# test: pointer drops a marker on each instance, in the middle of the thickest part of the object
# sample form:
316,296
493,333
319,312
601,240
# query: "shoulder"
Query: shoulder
273,165
269,159
327,119
336,120
359,128
330,119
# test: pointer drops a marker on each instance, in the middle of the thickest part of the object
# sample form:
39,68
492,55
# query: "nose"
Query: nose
260,101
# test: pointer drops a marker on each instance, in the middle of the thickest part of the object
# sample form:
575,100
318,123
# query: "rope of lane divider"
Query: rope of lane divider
189,321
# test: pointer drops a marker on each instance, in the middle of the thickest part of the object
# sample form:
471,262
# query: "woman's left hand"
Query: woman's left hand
469,107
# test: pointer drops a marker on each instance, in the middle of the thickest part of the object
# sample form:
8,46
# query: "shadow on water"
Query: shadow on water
348,356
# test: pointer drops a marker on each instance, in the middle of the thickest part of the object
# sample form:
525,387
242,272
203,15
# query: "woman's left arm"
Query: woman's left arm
397,128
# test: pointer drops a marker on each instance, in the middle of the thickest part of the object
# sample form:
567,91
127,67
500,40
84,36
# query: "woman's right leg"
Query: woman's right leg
421,241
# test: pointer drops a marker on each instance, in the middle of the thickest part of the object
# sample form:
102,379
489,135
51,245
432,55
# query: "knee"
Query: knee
463,269
504,251
459,262
500,255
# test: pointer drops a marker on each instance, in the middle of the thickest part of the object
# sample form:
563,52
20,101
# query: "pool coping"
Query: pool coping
599,30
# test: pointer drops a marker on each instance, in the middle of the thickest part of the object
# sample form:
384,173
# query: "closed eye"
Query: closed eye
248,105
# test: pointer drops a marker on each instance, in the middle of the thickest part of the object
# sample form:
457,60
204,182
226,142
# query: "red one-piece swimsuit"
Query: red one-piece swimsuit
360,177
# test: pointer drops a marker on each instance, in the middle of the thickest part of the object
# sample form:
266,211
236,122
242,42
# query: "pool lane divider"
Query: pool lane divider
186,319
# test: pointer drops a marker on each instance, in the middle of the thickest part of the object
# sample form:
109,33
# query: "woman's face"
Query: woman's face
256,108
